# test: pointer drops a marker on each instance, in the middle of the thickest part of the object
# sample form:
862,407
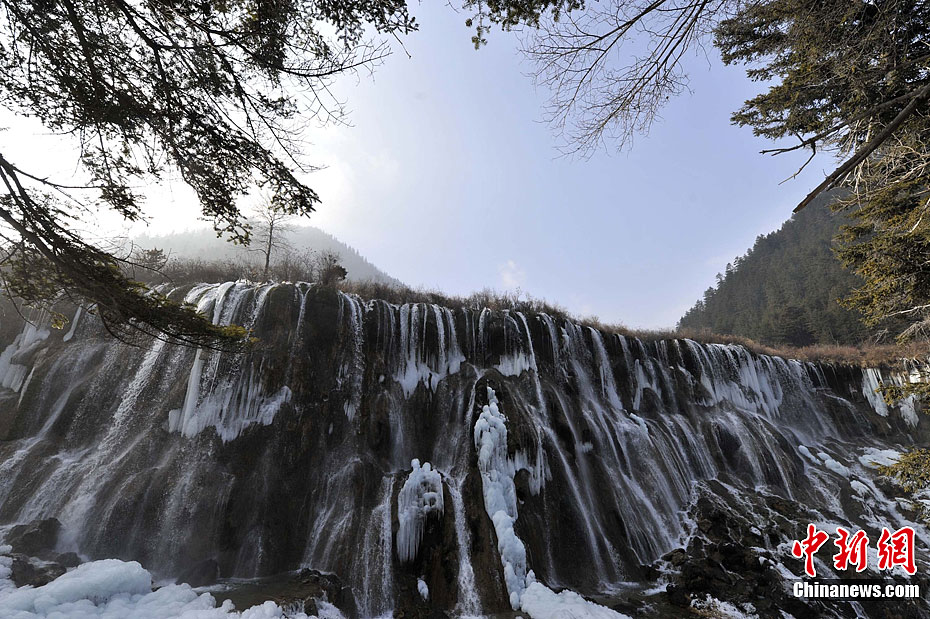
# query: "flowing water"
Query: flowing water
559,451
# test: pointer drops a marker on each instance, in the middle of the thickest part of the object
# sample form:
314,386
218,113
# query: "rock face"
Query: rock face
28,571
622,461
32,550
37,538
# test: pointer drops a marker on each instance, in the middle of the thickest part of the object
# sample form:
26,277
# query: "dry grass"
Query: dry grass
864,355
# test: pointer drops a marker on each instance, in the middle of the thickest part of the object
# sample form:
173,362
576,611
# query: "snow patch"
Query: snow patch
113,589
804,451
859,488
541,602
874,458
712,607
833,465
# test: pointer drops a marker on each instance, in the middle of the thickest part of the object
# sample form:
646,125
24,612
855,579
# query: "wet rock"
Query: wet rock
301,590
204,573
68,559
34,572
732,556
436,562
36,539
331,589
676,557
649,572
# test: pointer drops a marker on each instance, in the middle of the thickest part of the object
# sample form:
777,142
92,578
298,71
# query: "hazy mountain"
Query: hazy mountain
204,244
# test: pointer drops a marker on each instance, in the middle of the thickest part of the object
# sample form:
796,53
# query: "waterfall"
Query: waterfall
569,458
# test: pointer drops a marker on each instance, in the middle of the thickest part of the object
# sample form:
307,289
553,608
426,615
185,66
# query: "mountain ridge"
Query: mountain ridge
786,288
204,244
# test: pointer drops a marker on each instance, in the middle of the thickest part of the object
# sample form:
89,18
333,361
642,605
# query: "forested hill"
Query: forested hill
785,289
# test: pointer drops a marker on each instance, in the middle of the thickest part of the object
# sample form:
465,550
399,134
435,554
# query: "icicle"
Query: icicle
419,498
74,324
500,495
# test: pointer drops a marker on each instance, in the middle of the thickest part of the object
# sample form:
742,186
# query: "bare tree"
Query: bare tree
269,233
611,66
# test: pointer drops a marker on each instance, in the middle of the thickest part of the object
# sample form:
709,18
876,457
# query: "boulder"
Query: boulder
36,539
68,559
34,572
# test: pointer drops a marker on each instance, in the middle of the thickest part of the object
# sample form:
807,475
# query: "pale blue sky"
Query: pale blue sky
447,178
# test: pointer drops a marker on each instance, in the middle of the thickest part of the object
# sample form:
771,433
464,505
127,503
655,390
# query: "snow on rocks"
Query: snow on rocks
804,451
825,459
833,465
859,488
712,607
874,458
113,589
420,497
540,602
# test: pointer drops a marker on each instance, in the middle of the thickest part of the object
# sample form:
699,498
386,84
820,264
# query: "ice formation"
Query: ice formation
419,498
13,374
873,458
540,602
113,589
871,382
423,589
416,364
859,488
231,401
619,426
500,495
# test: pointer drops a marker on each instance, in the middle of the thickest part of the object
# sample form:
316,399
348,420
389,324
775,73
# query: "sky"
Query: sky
448,178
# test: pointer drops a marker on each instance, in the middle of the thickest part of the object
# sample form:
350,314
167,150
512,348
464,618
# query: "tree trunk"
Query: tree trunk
268,250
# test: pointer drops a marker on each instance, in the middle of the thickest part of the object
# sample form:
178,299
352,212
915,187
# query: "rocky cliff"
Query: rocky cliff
425,459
